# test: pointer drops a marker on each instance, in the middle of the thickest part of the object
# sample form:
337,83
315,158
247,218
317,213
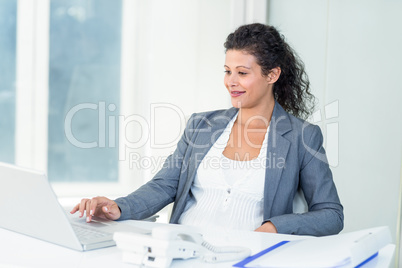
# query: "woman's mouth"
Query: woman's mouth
236,93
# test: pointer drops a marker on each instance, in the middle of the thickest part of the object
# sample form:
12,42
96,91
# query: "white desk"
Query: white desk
18,250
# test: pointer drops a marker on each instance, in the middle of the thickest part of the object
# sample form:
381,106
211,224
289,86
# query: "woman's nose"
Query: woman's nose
233,81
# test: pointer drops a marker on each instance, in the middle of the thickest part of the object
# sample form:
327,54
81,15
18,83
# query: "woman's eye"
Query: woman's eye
242,73
227,72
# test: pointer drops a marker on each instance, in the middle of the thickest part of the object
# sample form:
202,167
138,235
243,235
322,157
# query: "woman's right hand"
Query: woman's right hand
100,206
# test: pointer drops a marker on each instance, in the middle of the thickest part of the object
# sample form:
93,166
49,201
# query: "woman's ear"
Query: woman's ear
273,75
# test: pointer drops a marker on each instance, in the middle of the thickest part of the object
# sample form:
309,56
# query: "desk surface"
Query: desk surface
18,250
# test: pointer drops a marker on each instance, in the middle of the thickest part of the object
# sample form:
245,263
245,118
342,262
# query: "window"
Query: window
84,90
8,12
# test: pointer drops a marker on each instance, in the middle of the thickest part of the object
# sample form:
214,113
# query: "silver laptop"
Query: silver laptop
29,206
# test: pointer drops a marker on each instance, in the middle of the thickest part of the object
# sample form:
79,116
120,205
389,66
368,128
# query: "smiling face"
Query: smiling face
247,86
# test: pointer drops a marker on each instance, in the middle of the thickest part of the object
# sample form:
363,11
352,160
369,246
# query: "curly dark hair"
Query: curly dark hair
268,46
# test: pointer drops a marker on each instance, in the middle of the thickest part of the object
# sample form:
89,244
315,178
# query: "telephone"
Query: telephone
172,242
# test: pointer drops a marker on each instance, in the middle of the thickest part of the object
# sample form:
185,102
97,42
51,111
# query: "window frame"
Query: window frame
32,97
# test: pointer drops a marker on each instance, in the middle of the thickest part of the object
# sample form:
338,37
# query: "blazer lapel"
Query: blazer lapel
204,139
277,151
210,131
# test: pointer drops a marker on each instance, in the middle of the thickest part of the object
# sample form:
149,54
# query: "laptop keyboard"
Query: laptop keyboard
85,233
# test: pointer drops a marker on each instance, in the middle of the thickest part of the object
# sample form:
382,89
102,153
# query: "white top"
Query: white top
227,193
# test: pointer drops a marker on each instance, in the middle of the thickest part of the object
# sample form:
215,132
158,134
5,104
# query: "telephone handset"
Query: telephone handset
172,242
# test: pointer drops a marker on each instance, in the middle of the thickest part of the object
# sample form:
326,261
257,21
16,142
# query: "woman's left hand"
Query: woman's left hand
267,227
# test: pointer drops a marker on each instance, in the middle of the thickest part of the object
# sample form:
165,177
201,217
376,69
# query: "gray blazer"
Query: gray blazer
295,160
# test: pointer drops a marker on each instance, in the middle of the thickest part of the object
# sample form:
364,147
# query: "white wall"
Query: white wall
352,51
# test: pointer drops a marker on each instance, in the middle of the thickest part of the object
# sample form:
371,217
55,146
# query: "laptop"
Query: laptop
29,206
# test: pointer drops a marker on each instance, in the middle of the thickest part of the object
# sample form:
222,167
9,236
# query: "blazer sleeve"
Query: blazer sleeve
325,212
161,190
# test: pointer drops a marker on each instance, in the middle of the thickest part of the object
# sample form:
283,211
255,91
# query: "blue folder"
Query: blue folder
244,263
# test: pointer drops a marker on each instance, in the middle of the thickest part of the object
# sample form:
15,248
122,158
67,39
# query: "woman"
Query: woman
241,168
